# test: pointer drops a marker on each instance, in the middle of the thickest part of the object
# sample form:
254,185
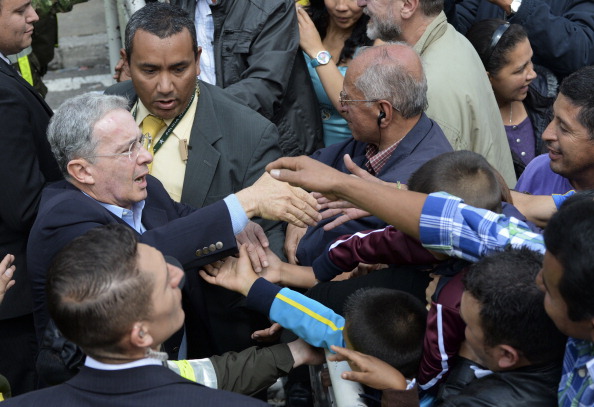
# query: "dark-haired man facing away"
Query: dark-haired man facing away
119,301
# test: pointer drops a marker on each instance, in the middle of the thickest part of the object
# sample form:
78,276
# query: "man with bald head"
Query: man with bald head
383,99
460,97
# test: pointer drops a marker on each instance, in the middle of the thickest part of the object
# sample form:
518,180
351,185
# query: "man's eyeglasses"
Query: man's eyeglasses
343,99
144,140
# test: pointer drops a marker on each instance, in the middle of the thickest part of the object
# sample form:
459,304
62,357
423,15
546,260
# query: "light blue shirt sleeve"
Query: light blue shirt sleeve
317,324
239,219
560,198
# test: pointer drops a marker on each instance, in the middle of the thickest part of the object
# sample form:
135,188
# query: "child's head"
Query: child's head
387,324
464,174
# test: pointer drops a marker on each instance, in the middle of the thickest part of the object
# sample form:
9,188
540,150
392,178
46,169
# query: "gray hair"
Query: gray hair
431,7
70,131
385,78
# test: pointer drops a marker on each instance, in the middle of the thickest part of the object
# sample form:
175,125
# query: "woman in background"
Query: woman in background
524,92
330,33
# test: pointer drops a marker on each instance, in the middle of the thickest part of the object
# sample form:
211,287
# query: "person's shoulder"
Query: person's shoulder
230,107
269,6
183,391
57,192
539,166
49,397
125,88
539,161
334,153
531,386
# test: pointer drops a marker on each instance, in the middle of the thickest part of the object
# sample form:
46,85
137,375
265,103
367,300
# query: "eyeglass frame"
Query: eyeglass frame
343,102
140,142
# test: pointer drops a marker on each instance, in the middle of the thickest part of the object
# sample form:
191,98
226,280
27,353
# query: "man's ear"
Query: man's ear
409,8
507,356
140,336
387,115
79,170
198,53
126,66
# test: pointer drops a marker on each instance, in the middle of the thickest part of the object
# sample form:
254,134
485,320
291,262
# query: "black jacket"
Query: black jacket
561,31
530,386
257,59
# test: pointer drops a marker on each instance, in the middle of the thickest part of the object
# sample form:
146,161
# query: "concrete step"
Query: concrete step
84,50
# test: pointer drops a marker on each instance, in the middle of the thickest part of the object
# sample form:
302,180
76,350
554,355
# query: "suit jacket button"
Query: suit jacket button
205,250
219,245
199,252
212,247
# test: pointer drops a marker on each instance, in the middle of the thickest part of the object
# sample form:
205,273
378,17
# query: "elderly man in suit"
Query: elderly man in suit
119,300
99,149
207,143
26,164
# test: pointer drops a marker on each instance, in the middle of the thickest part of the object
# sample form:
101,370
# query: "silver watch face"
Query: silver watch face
323,57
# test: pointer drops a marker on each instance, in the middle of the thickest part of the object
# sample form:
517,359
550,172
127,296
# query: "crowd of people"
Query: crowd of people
405,183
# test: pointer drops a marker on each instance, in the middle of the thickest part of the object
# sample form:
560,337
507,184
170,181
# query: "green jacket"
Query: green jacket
45,7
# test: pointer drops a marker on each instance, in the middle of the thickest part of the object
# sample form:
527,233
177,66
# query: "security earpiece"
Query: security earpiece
380,116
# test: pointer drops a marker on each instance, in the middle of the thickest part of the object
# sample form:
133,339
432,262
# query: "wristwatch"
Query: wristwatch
322,58
515,6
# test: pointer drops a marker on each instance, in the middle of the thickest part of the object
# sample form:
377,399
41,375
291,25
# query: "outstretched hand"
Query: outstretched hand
254,237
369,370
347,210
293,236
307,173
235,274
270,334
6,272
274,200
305,354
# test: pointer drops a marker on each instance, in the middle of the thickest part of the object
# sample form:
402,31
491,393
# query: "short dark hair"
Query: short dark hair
387,324
95,290
431,7
579,89
568,237
462,173
162,20
480,36
512,306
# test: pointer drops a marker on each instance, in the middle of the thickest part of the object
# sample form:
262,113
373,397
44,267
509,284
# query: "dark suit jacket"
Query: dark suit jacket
175,229
141,386
423,142
228,151
26,165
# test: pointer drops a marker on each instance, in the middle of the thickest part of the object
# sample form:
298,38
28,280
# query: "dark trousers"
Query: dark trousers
18,348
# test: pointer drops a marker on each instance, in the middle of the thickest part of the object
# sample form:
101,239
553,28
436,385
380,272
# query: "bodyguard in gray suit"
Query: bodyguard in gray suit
206,144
